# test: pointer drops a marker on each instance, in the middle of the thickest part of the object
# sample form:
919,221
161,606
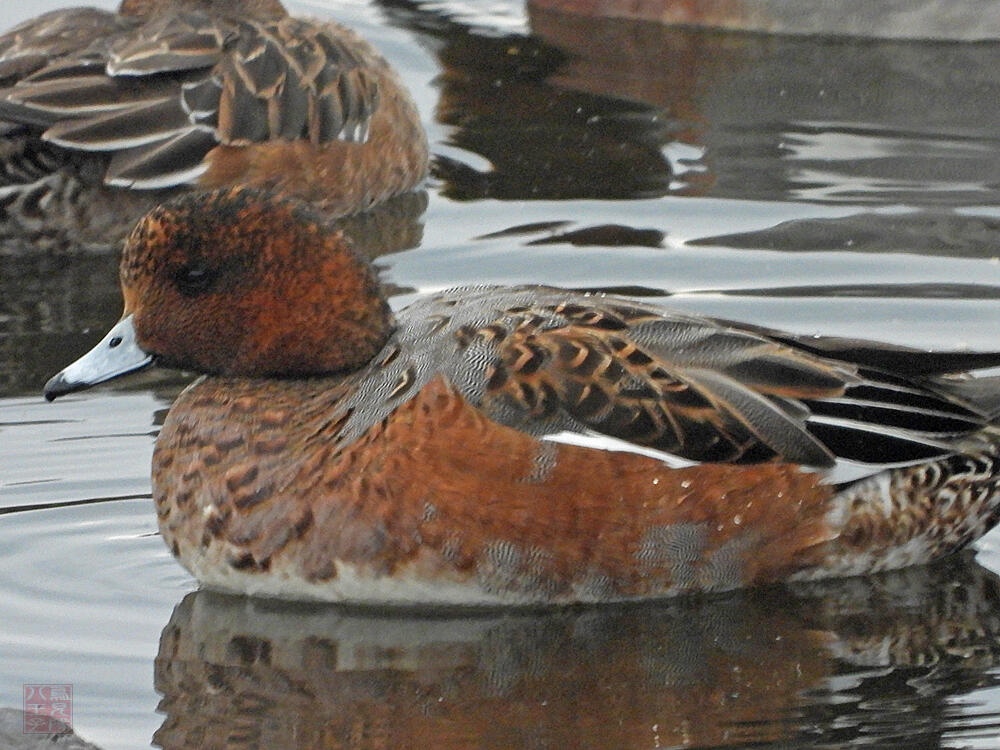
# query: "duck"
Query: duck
125,107
519,445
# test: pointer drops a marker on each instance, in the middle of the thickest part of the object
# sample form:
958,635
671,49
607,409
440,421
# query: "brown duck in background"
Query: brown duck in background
966,20
200,93
516,445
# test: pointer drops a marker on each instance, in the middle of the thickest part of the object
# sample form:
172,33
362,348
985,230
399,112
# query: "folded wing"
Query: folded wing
709,391
158,97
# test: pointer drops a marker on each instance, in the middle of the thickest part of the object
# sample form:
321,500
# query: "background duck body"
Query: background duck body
163,95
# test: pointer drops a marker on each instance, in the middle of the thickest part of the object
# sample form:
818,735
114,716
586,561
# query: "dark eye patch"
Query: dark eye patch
195,278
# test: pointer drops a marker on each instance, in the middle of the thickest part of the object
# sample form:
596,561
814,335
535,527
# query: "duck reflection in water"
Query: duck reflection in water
817,666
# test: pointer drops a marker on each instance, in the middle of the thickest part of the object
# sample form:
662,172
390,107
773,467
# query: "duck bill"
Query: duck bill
117,354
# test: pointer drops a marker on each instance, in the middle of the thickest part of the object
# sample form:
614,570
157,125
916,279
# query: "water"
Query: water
820,185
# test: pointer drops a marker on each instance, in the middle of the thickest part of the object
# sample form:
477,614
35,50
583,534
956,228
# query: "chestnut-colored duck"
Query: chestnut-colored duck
203,93
519,445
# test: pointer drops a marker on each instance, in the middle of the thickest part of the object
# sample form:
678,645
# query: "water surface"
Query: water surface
821,185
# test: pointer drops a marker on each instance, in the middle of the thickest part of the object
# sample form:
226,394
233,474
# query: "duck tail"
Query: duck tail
983,394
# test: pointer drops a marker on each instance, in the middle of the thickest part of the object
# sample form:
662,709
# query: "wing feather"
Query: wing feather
703,389
182,81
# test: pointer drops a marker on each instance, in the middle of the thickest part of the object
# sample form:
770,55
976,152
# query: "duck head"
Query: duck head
237,282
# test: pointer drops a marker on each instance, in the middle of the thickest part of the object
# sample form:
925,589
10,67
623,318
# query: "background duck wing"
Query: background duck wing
50,37
159,97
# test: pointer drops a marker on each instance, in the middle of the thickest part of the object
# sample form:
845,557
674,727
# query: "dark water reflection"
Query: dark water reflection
802,118
834,665
612,108
47,305
837,186
504,99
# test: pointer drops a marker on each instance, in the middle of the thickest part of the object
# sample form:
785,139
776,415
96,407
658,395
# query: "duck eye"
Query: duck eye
194,279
